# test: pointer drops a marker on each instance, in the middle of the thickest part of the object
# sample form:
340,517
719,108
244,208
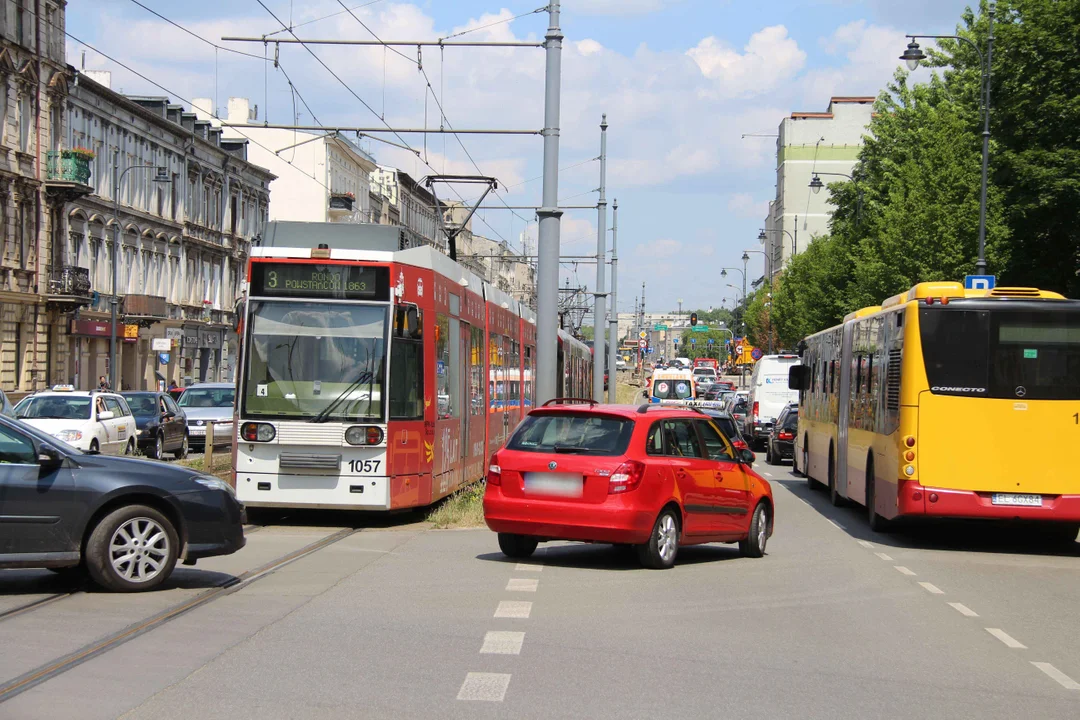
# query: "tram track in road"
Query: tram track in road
60,665
34,605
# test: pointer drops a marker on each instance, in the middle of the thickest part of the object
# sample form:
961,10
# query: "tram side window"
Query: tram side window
527,380
407,364
454,368
442,365
476,373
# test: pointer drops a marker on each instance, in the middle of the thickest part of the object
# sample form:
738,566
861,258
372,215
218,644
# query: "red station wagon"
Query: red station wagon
655,477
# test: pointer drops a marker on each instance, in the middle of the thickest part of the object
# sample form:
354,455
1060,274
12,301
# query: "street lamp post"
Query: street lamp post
816,185
914,55
161,176
794,239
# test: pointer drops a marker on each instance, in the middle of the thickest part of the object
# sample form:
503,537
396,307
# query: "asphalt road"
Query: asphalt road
405,622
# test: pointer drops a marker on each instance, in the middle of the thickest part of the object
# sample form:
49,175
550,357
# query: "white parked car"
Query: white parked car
620,364
92,421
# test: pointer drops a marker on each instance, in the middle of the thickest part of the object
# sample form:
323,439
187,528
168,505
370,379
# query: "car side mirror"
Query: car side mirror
107,415
168,415
747,456
49,457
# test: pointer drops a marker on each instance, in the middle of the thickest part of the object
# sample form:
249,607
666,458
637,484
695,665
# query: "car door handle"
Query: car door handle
681,473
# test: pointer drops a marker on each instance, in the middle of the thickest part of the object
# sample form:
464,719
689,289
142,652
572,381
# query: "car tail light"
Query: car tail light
909,441
494,474
755,408
626,477
740,445
786,436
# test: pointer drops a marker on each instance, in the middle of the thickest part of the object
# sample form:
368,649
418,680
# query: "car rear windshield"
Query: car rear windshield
1030,353
573,433
791,420
672,389
208,397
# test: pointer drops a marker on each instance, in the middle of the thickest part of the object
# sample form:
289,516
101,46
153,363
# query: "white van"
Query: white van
769,394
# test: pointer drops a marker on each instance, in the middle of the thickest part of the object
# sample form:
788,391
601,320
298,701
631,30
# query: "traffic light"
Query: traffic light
693,319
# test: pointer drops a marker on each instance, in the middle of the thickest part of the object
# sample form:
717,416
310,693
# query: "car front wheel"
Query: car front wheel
183,451
159,448
754,544
517,546
663,545
132,549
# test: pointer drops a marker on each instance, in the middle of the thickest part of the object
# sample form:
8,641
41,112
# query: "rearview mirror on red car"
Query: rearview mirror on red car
747,456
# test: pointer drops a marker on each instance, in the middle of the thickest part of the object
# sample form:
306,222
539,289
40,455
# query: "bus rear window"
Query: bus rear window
1034,354
573,433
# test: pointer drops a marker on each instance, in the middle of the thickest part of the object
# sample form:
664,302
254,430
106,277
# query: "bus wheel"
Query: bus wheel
834,497
877,523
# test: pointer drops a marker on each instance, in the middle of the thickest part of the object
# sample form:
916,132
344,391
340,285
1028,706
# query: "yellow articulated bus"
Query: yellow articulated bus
928,404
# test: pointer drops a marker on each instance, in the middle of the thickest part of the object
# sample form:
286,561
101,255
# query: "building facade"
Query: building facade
33,88
809,142
184,239
321,177
405,202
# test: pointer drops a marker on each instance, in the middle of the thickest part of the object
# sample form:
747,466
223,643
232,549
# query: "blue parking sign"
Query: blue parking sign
693,341
980,282
710,341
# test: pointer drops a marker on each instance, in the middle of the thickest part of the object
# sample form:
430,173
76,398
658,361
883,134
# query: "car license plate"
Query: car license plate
554,484
197,431
1013,499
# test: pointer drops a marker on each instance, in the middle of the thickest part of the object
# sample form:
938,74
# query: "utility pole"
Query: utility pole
599,297
547,271
613,321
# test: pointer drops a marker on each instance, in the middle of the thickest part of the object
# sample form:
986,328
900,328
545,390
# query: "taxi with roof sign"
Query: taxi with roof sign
91,421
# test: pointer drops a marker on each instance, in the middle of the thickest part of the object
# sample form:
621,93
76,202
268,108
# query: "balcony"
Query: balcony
69,288
341,204
67,174
144,310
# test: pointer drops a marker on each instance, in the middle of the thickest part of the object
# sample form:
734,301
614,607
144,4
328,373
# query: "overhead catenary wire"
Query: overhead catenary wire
319,19
493,24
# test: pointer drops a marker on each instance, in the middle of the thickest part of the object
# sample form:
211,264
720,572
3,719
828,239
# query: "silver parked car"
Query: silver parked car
205,403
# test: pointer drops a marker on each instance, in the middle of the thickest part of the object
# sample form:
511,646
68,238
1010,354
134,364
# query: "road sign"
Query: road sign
738,349
676,341
700,328
756,353
693,341
659,326
163,358
980,282
643,343
710,341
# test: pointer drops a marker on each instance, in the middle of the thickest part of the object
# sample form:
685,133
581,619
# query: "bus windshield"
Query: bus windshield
1034,354
310,360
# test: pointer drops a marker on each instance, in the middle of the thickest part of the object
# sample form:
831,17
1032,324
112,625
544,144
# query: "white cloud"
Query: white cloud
659,249
589,47
744,205
871,53
618,7
770,58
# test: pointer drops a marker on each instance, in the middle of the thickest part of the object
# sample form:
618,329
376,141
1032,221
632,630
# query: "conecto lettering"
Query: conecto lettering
939,388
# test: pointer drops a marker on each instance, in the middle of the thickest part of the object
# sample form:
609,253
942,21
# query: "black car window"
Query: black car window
170,404
573,433
15,449
113,406
791,420
715,444
654,445
682,439
142,404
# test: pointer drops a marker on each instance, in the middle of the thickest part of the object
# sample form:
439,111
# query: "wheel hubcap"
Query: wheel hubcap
763,529
668,539
139,550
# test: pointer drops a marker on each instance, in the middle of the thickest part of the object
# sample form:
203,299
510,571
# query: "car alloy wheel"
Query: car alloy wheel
667,541
183,451
662,546
159,448
139,550
758,533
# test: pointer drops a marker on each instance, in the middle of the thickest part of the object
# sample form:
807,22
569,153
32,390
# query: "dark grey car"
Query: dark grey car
125,521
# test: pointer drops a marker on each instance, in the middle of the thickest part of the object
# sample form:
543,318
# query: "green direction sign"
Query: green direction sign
700,328
659,326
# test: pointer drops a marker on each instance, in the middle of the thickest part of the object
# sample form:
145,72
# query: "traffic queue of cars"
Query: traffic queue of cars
124,522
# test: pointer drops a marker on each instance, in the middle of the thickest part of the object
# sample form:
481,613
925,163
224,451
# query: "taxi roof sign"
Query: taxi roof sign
63,388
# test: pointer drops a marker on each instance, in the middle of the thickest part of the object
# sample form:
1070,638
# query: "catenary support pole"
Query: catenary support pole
113,375
613,318
547,271
599,297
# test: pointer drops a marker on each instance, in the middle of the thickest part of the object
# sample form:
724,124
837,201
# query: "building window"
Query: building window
20,345
25,118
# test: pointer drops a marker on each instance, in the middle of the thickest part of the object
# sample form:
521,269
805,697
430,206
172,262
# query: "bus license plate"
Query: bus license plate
1012,499
555,484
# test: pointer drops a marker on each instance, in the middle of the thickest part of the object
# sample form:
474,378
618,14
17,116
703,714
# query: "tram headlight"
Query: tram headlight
257,432
364,435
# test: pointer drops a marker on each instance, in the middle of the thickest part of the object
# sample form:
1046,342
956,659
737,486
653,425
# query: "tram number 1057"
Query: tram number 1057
364,467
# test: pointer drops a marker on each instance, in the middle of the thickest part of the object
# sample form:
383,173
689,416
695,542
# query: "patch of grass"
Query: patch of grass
626,394
222,464
463,509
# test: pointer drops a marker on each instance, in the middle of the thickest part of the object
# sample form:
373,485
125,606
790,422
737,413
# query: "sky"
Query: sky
681,82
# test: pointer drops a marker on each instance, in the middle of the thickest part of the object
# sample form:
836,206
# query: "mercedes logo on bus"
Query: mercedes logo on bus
1021,391
552,465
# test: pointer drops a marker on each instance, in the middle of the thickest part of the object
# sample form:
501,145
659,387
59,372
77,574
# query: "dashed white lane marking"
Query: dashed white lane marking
529,567
867,544
964,610
903,570
1064,680
932,589
837,525
1006,638
884,557
522,584
502,642
513,609
489,687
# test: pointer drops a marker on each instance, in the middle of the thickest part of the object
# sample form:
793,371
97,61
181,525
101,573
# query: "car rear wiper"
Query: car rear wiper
570,449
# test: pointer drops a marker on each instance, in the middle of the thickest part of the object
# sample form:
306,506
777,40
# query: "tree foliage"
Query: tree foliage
919,173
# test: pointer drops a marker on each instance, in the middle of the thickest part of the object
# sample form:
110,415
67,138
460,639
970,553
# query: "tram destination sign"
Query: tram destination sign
320,280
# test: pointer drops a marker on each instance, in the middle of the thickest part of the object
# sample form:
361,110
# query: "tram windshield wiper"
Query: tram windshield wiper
324,414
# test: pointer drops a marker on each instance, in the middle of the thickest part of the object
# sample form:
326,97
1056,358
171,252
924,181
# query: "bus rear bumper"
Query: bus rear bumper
915,499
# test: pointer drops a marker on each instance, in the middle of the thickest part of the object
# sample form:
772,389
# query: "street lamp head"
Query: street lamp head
162,175
816,184
913,55
761,236
745,257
